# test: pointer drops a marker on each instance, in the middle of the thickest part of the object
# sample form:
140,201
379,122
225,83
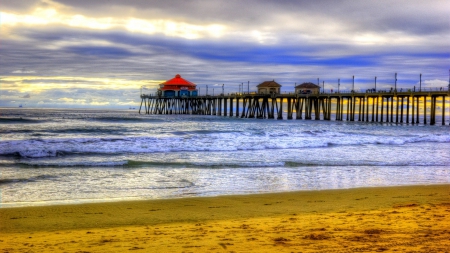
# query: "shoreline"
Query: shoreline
330,200
388,218
141,199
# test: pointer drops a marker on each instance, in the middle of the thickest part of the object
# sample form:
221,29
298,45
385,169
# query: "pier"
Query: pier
410,107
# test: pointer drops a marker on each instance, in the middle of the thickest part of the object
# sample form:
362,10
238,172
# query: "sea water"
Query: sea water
50,156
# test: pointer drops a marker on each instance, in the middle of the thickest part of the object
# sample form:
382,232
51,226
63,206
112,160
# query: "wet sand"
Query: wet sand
402,219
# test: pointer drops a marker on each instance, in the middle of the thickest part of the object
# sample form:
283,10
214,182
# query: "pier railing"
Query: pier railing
393,106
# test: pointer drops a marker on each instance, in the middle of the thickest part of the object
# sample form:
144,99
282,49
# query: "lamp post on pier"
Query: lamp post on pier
339,85
420,83
375,84
223,90
395,89
206,90
318,84
353,84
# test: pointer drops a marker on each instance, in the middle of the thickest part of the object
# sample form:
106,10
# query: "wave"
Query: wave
18,131
146,164
211,165
124,119
20,121
200,132
287,164
83,163
335,163
136,164
207,142
28,180
52,132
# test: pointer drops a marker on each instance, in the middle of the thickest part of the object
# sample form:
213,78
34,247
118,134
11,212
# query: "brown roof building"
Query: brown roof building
269,87
307,88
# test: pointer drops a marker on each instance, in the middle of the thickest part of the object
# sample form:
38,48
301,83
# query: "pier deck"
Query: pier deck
393,107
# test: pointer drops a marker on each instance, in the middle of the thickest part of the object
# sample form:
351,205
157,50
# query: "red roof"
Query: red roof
177,80
178,83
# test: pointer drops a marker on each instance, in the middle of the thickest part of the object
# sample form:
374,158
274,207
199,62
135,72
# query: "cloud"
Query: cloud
168,27
26,96
325,20
23,71
416,17
436,83
20,6
105,50
99,51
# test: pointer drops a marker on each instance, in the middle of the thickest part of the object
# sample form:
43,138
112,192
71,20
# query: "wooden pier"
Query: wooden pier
389,107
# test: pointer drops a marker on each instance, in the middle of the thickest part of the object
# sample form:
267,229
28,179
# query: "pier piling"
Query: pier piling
368,107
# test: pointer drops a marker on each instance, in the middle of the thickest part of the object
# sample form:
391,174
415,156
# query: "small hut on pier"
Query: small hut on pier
269,87
307,88
177,87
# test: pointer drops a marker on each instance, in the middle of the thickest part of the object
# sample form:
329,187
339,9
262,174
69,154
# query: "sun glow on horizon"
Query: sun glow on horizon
38,84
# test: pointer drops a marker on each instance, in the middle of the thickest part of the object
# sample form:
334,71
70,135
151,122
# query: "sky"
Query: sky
103,53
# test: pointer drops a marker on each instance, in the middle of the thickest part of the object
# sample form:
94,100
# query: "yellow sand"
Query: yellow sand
401,219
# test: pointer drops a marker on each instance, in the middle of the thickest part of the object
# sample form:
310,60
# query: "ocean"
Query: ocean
60,156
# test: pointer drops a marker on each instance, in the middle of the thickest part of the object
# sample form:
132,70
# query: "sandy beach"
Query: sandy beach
402,219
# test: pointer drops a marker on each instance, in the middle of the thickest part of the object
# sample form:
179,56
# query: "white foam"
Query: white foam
205,142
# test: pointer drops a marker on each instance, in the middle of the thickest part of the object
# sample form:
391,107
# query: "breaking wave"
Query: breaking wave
182,142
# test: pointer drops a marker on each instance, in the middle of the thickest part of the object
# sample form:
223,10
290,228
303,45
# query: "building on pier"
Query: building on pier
269,87
177,87
307,88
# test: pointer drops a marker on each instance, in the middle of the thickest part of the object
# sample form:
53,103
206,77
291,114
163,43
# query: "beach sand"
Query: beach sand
402,219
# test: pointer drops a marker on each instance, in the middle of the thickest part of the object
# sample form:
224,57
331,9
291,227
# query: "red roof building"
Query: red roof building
177,87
